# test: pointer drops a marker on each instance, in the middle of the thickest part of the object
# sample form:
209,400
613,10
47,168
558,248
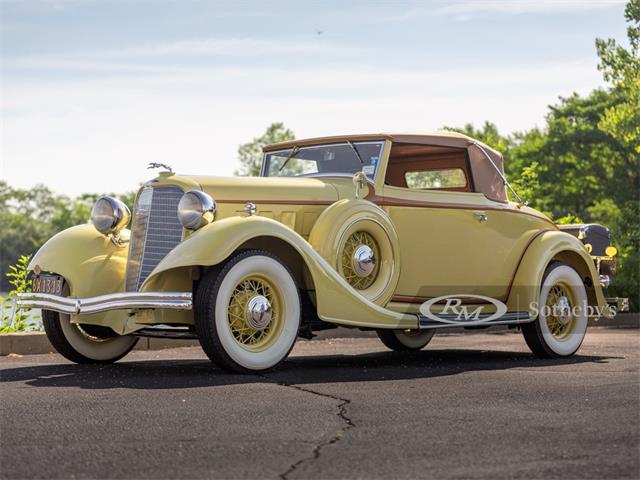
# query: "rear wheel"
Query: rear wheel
85,343
247,313
405,340
562,321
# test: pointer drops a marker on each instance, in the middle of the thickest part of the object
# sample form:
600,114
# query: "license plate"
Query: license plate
48,284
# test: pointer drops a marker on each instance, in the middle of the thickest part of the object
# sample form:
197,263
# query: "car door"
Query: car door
452,240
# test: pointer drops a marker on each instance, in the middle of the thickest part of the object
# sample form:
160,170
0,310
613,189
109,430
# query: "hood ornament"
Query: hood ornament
153,165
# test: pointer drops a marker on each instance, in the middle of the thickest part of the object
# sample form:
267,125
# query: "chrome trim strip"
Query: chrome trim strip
103,303
512,318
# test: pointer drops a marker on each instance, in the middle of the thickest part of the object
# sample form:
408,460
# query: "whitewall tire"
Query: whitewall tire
85,343
405,340
561,325
247,312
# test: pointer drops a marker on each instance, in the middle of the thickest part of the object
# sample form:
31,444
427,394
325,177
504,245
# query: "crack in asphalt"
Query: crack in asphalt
342,414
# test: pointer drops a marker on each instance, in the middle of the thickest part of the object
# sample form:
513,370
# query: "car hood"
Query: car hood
275,189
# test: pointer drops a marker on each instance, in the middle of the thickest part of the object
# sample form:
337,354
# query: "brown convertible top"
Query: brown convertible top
485,177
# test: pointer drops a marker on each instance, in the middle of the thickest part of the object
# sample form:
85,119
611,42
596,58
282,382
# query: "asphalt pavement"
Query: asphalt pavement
469,406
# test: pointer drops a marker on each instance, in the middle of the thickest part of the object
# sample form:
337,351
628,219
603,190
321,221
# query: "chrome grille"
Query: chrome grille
155,231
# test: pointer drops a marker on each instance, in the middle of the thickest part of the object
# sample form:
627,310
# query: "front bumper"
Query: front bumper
103,303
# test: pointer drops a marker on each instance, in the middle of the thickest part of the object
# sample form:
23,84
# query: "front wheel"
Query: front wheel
247,312
562,319
85,343
405,340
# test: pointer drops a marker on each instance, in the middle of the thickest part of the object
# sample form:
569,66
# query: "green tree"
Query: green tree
621,121
24,216
250,154
621,67
579,162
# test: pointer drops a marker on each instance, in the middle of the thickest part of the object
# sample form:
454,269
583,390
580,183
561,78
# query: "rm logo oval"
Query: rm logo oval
454,311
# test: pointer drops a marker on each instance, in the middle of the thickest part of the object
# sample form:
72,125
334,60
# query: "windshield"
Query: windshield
340,158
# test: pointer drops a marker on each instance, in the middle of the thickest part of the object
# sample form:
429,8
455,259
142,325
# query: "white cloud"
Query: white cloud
524,6
466,9
220,46
98,134
145,57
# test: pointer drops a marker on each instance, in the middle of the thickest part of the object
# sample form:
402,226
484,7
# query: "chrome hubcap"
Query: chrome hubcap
258,312
564,310
359,260
363,261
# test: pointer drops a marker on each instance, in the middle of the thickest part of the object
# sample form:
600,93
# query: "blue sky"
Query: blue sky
94,90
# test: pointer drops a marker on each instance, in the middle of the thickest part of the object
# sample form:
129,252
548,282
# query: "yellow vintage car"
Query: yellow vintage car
403,234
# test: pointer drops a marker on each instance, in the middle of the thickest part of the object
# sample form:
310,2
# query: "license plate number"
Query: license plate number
48,284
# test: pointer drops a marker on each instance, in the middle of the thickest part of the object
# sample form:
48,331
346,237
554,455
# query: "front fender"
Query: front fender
337,301
551,246
90,263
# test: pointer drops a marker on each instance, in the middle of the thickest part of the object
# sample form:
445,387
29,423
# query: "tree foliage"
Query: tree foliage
621,67
250,154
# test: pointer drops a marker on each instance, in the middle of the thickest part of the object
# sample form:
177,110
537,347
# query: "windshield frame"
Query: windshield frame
382,142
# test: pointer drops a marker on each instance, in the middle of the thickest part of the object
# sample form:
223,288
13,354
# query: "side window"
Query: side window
428,167
436,179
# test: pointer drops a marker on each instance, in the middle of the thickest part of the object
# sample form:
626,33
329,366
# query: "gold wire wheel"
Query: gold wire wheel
356,240
560,319
88,336
249,337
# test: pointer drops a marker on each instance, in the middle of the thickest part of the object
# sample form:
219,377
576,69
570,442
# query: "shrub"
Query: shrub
14,319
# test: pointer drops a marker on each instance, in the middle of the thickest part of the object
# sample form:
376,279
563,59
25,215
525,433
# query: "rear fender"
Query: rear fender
337,301
547,247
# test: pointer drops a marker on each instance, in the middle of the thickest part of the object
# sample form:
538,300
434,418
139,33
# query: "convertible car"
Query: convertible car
403,234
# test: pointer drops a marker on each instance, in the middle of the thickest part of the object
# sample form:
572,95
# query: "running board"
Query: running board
482,320
178,333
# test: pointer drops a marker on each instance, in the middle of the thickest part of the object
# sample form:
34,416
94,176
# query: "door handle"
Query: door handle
481,216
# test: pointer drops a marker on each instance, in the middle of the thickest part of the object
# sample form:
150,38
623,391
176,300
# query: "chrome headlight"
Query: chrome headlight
196,209
109,215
